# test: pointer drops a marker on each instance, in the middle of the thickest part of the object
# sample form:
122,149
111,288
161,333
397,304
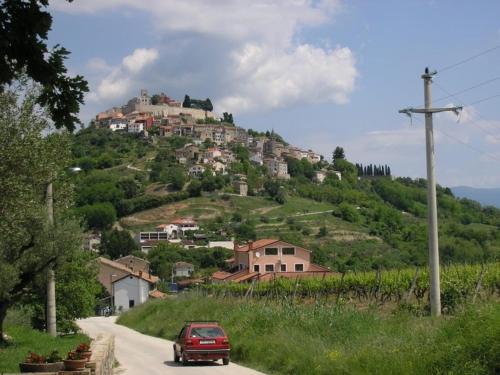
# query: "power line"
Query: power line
485,99
468,89
464,90
466,144
469,146
469,58
471,121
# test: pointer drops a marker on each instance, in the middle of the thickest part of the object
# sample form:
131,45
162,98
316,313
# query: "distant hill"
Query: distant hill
487,197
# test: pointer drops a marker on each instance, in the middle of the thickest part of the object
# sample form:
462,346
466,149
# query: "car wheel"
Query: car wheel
176,357
184,360
225,361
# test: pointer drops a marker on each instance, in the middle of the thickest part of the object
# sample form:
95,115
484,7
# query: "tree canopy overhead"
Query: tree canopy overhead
24,27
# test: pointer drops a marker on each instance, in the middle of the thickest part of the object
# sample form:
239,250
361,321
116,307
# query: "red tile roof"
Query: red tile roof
119,266
157,294
220,275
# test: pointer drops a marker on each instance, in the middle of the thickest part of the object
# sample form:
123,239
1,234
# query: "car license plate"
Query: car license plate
207,341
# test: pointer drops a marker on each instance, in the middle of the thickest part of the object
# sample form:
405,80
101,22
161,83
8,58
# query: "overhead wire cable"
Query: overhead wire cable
450,95
468,59
495,136
492,157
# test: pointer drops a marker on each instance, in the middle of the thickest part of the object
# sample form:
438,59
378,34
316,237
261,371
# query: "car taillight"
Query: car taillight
189,342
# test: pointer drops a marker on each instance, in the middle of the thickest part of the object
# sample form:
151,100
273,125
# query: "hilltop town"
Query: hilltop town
195,120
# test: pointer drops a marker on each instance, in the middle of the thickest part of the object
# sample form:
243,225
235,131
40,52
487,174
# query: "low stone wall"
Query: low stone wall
103,355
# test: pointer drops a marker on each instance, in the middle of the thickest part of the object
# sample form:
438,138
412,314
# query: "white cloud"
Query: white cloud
139,59
264,67
262,20
98,65
120,79
273,79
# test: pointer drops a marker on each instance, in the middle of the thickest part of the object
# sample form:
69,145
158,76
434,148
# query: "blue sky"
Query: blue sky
321,73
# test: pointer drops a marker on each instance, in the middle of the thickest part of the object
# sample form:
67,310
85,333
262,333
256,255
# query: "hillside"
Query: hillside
350,220
487,197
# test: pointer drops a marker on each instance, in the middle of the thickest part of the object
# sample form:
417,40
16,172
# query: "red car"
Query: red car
201,341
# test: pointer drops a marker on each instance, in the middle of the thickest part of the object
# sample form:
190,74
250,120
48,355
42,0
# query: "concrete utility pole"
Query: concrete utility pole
51,282
435,292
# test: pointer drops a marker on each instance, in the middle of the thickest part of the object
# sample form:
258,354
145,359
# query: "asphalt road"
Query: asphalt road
140,354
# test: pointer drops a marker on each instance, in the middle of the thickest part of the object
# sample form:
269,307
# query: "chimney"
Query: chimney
140,274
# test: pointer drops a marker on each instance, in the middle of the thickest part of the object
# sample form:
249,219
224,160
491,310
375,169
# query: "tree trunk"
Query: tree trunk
3,314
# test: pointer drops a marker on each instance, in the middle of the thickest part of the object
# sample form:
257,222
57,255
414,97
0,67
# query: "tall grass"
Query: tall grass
325,339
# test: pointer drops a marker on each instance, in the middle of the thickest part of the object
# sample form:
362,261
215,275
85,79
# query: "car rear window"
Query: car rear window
206,332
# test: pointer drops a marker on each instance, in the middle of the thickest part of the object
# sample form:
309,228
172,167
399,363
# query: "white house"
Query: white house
219,167
183,269
118,124
131,290
135,127
196,170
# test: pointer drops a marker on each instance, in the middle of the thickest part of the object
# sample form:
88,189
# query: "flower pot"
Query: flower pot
74,364
86,355
41,367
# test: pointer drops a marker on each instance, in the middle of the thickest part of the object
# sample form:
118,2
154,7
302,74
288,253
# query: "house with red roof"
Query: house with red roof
268,258
128,281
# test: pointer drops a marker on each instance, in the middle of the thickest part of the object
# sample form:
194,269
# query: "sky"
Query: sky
321,73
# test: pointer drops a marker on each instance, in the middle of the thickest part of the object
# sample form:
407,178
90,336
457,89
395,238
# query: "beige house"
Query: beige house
135,264
111,271
267,258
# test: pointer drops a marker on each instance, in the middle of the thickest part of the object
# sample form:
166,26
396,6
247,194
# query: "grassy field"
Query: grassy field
25,339
292,217
326,339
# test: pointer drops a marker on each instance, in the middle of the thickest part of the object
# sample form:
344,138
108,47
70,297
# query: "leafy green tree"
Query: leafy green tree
187,102
322,231
338,154
98,215
348,212
117,243
245,232
155,99
24,27
28,245
99,192
129,187
194,188
76,290
348,170
227,117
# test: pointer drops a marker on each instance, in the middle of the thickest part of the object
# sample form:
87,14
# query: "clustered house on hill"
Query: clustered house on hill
128,281
268,258
197,121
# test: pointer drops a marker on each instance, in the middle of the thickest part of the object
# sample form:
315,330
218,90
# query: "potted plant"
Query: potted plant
74,362
39,363
84,350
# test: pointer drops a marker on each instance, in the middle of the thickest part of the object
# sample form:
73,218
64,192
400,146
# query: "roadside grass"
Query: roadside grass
310,338
26,339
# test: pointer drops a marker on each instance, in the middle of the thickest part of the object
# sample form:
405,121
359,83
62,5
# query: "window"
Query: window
256,268
269,267
206,332
288,251
299,268
283,268
271,251
131,303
